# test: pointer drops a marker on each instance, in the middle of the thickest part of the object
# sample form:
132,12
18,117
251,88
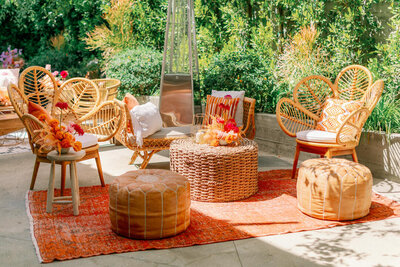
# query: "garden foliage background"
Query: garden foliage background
261,46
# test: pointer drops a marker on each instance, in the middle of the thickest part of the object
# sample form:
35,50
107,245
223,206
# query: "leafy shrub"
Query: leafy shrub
129,24
139,71
302,57
243,70
386,115
61,60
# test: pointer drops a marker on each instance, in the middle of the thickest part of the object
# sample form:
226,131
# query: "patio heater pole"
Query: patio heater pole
180,64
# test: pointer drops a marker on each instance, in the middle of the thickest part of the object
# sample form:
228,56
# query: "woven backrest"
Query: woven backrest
108,88
38,85
312,92
18,100
353,82
82,96
373,94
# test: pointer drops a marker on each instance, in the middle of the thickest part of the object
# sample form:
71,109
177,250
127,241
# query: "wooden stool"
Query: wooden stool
69,158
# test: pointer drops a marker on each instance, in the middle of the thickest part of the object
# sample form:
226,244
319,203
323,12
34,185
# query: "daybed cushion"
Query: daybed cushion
87,140
234,94
171,132
146,120
317,136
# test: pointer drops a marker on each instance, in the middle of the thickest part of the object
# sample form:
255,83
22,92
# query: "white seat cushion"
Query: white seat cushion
87,139
171,132
317,136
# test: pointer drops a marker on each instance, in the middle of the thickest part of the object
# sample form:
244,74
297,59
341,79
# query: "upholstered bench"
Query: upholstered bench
334,189
149,204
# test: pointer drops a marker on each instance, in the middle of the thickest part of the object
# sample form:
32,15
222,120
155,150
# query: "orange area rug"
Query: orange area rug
273,210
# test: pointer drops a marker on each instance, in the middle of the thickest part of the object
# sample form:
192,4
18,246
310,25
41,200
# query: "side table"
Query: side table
69,158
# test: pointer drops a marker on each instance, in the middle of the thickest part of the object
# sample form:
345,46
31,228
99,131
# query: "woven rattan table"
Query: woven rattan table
217,174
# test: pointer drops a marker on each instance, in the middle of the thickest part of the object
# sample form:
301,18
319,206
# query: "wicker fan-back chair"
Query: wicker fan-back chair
303,112
153,145
108,88
37,85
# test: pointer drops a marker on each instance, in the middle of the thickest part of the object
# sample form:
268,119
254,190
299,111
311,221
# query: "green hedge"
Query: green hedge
139,71
244,70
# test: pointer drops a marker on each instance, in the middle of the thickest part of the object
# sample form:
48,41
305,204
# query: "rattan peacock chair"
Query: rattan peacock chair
36,84
300,115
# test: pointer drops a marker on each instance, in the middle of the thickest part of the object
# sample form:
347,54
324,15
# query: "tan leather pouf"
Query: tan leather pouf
149,204
334,189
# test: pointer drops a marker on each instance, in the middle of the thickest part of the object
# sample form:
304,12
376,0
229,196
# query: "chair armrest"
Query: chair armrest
350,130
293,118
312,92
106,122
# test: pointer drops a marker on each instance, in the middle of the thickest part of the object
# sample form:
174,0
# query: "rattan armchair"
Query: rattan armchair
303,112
36,84
161,141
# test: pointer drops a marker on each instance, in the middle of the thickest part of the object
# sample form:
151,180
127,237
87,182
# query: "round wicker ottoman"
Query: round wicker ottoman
334,189
217,174
149,204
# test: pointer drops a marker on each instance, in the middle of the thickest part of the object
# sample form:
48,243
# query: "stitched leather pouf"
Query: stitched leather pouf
334,189
149,204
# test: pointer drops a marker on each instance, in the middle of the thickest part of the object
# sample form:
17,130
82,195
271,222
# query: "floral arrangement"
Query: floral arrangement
11,58
60,76
222,130
59,136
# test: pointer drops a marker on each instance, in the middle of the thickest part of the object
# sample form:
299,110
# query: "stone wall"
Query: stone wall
378,152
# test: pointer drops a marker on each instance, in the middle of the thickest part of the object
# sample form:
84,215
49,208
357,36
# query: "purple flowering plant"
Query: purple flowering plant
11,58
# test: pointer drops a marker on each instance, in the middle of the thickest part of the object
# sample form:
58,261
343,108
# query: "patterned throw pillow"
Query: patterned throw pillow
213,108
334,113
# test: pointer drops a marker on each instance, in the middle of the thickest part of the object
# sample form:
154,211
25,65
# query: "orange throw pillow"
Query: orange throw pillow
334,113
36,110
130,101
213,108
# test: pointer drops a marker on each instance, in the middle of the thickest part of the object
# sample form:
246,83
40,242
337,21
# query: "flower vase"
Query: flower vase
64,150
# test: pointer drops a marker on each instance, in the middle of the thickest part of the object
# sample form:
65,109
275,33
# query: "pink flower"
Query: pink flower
55,73
64,74
228,97
62,105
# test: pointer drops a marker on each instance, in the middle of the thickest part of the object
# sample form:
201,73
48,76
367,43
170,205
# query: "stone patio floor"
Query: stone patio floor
368,244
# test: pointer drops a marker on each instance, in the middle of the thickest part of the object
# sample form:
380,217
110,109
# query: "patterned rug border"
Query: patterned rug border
276,175
31,230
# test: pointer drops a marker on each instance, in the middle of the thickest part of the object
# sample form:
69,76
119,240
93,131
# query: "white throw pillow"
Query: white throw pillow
146,120
317,136
234,94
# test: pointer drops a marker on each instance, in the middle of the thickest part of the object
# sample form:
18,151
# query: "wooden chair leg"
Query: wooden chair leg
354,155
295,161
99,169
34,175
146,158
63,174
134,156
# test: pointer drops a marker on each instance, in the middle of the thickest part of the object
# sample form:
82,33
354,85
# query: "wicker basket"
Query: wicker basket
217,174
